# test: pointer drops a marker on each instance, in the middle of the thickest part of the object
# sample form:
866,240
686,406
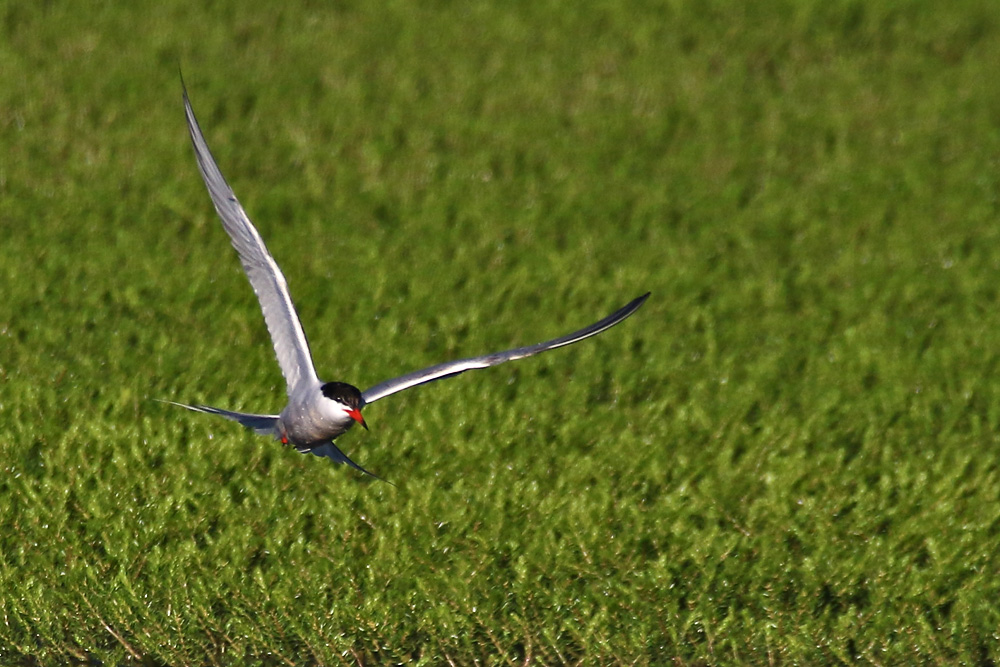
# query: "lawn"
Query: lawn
789,455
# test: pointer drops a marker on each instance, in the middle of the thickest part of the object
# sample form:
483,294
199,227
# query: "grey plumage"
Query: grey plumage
318,412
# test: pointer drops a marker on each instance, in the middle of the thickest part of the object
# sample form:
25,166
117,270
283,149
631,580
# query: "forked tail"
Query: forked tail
331,451
268,425
262,424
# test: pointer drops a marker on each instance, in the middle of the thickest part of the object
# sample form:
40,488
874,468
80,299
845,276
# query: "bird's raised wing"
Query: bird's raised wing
451,368
290,345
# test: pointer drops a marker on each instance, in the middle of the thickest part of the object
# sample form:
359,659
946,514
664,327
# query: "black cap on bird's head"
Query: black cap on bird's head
347,395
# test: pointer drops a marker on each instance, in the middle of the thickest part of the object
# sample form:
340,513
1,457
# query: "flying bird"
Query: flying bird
317,411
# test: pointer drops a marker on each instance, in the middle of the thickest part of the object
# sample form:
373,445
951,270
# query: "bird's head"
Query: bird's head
346,398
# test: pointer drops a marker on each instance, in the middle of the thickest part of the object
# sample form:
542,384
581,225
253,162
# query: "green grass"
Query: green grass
790,455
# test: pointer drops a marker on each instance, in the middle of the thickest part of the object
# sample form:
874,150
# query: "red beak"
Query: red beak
356,416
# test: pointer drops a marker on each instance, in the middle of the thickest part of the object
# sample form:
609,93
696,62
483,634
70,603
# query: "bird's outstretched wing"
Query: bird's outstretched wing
287,336
451,368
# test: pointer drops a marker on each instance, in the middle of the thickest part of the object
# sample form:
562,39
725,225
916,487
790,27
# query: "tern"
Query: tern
317,411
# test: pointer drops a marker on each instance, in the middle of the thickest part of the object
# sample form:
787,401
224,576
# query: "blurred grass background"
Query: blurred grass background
790,455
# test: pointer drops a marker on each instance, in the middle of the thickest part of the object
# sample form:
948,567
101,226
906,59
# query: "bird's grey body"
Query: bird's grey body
318,412
307,420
